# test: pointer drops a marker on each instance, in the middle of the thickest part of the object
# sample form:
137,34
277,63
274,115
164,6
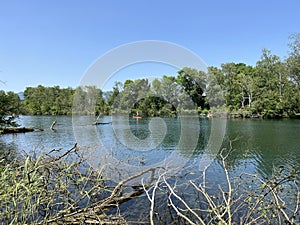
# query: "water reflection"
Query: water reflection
265,144
258,145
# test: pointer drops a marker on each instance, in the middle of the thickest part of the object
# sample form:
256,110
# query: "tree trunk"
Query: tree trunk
243,102
250,99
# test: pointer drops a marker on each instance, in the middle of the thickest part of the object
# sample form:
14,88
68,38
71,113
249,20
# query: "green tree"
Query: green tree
64,102
194,84
215,89
243,86
112,99
9,108
293,60
233,84
293,70
102,107
132,95
269,85
42,100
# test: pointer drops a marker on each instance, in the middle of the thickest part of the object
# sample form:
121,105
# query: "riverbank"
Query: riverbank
248,114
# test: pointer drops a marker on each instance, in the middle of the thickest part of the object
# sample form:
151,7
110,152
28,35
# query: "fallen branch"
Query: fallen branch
14,130
52,125
102,123
98,208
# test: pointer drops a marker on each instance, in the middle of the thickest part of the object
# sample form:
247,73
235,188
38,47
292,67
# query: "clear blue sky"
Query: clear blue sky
54,42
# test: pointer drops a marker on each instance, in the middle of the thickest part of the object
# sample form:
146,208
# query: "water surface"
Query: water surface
258,146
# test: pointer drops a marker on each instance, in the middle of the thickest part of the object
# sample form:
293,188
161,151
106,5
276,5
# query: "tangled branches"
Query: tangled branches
245,199
59,188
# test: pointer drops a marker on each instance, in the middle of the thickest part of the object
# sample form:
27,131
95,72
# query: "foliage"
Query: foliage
9,107
294,59
59,187
194,84
42,100
88,100
270,89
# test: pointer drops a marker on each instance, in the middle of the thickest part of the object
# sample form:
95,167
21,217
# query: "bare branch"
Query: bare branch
183,202
152,197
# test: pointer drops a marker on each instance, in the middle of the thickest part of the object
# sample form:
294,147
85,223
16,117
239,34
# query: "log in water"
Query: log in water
14,130
102,123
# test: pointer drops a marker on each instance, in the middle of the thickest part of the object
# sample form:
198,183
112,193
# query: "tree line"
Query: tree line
271,89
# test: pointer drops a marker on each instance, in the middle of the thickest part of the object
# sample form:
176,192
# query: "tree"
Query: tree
9,108
269,80
237,84
293,68
194,84
244,83
172,93
112,99
42,100
102,107
215,89
64,102
293,61
132,95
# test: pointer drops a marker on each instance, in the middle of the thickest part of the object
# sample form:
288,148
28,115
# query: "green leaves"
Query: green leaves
35,191
42,100
271,89
9,107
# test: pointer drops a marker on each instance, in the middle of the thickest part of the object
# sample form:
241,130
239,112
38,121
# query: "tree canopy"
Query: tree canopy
270,89
10,106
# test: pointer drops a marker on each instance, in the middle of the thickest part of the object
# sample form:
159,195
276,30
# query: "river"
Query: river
258,146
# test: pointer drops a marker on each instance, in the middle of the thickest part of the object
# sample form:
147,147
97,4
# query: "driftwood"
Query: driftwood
52,125
101,123
14,130
94,213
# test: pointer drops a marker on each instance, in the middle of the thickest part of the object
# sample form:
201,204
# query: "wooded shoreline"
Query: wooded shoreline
270,89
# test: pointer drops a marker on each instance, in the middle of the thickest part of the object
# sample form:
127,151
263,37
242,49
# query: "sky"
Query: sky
54,42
